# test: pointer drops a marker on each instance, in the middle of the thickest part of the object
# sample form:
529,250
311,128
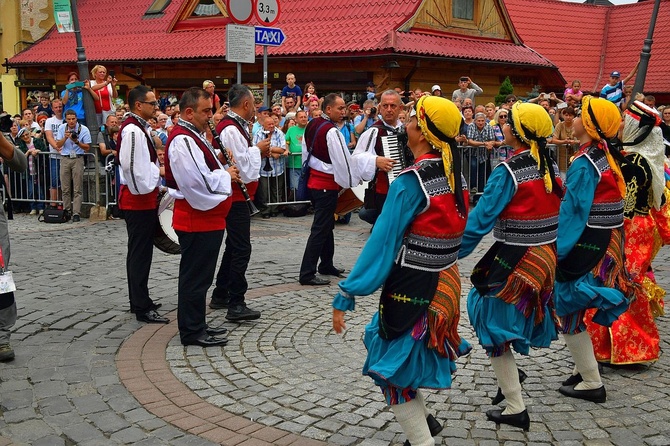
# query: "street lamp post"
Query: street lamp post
646,53
89,107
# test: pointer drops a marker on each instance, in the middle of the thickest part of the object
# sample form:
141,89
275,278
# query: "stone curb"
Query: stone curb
144,370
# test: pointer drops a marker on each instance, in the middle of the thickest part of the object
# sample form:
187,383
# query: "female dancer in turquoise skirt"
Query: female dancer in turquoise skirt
509,304
412,341
591,268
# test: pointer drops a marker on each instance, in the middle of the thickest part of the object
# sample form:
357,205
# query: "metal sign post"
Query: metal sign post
267,37
240,12
240,46
89,106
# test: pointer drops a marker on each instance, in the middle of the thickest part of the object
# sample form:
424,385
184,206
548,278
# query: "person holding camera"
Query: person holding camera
105,87
73,141
466,90
368,117
73,95
369,155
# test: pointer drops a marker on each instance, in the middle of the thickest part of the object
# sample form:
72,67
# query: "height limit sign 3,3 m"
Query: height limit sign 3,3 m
267,11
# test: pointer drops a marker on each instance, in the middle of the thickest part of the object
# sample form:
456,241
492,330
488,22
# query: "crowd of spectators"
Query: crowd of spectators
43,128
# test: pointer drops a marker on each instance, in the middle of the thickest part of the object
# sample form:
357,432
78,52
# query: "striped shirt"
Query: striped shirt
613,93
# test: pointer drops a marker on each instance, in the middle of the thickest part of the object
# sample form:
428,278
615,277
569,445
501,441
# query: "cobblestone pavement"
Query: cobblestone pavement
87,373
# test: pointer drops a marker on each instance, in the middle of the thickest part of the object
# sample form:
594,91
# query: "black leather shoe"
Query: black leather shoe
219,303
207,341
315,281
153,306
216,331
151,317
242,313
598,395
521,419
333,271
433,425
573,380
500,397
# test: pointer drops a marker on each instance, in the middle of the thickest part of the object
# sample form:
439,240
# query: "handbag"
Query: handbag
54,216
302,193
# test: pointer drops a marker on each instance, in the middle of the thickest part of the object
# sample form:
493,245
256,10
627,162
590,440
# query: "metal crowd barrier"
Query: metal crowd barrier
281,189
477,164
33,186
32,189
110,192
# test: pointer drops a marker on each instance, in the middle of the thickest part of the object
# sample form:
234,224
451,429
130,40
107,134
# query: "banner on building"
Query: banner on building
63,16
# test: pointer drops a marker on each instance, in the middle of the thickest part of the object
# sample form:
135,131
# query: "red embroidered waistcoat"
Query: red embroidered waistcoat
185,217
531,217
315,137
251,187
128,200
607,208
434,237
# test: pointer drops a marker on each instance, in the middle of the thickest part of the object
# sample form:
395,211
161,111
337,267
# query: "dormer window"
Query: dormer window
157,7
208,8
463,9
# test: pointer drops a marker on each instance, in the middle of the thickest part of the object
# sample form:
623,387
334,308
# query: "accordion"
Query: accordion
395,147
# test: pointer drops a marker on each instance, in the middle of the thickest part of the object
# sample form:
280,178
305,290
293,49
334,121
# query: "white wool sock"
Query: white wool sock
508,380
581,348
422,401
412,419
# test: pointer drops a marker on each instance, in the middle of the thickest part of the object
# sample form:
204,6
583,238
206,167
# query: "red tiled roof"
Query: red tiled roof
318,27
459,47
629,25
588,42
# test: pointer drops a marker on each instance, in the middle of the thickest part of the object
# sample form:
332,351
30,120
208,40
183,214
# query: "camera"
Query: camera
112,73
5,122
74,135
373,111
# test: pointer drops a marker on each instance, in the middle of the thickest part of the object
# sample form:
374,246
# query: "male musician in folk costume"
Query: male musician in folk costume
202,190
233,130
331,170
139,176
369,154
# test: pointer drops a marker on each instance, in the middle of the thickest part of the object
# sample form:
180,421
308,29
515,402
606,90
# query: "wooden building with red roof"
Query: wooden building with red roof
339,45
588,42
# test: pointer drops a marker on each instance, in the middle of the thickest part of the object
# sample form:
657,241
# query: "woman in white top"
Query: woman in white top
105,86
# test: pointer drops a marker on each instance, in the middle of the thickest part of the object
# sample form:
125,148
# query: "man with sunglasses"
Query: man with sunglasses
139,176
510,99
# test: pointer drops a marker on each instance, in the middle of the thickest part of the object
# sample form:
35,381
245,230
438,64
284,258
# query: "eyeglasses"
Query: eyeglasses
154,103
511,100
502,116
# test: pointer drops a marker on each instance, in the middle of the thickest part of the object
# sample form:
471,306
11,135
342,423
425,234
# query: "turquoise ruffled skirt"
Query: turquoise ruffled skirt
496,323
406,362
586,292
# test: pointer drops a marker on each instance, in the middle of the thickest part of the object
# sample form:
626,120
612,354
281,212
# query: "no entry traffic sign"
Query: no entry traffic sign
267,11
240,11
